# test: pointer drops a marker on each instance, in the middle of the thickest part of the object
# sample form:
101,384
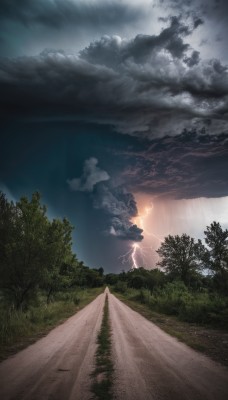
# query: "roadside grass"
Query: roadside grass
210,341
18,329
102,375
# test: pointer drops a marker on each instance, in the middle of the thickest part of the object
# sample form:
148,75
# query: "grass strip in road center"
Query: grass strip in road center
103,373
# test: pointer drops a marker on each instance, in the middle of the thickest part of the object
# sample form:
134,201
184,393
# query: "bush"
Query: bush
76,300
175,298
120,287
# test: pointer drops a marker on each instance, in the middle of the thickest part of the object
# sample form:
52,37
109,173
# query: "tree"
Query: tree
111,279
216,255
217,241
23,258
180,257
7,216
137,281
58,252
155,279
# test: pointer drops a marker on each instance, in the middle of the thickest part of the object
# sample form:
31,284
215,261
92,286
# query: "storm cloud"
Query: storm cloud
150,85
92,175
60,13
116,203
190,165
120,207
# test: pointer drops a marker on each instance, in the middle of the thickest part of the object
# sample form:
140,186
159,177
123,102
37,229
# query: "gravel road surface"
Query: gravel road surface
151,365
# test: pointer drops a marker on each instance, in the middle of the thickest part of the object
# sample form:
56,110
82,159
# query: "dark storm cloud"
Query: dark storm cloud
116,203
62,13
149,85
120,207
193,164
141,48
193,59
214,10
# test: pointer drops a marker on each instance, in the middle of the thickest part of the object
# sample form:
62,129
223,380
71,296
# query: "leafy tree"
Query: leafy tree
121,286
93,278
217,241
215,256
33,250
7,216
23,258
137,281
155,279
101,271
111,279
180,257
58,252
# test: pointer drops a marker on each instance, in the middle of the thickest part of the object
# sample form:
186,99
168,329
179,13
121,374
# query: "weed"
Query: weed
102,385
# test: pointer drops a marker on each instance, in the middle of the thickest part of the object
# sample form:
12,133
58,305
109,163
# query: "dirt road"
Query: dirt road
58,366
151,365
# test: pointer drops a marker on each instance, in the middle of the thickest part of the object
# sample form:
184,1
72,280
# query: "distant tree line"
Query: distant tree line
184,259
36,254
191,281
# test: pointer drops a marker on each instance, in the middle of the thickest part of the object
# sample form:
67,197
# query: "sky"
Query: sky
116,111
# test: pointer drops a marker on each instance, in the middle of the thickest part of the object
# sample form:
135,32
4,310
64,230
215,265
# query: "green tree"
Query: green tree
58,252
7,217
215,256
23,259
155,279
137,281
111,279
180,257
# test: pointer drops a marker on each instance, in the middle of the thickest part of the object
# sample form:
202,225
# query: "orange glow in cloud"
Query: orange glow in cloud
160,217
143,254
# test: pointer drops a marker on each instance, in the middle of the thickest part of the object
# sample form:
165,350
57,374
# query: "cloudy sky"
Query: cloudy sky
117,112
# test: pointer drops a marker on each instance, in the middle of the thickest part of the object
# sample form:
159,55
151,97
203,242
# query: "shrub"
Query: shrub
120,287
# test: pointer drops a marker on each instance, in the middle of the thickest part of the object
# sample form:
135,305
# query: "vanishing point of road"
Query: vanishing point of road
148,363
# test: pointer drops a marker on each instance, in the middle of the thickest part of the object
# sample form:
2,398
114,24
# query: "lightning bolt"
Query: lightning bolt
133,255
138,254
130,256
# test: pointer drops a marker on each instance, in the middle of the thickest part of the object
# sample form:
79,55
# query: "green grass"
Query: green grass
201,307
18,329
102,375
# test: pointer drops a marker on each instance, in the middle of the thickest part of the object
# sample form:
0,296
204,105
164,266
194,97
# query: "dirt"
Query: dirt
150,364
58,366
212,342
